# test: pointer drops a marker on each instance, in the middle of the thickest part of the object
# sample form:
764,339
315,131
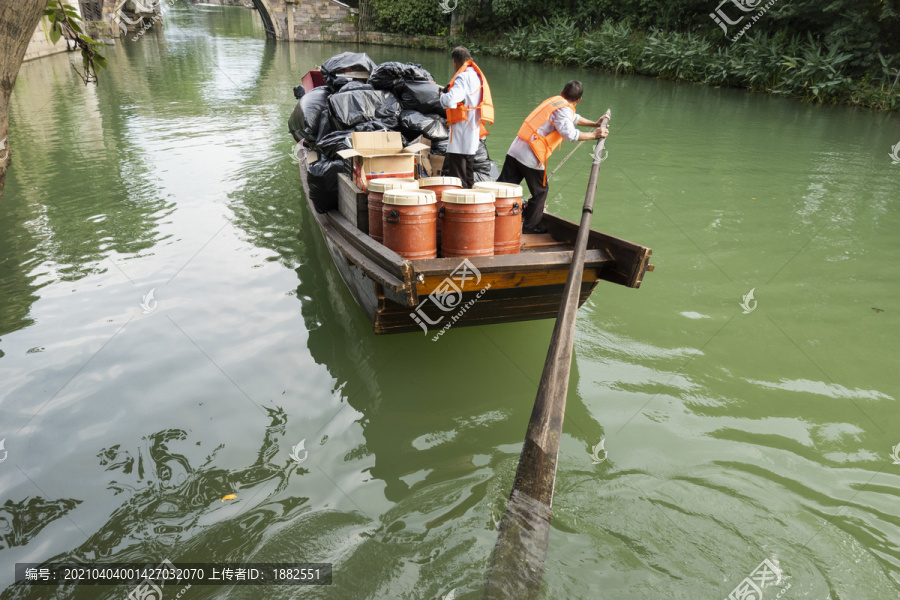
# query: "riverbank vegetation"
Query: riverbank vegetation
844,51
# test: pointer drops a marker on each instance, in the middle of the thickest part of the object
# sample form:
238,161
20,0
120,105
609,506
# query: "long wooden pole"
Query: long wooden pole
517,564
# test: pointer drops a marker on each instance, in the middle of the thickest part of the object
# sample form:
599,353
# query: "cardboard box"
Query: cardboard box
352,203
380,154
437,165
430,165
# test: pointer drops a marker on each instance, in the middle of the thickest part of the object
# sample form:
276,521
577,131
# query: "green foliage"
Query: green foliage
410,17
815,73
64,22
795,66
861,28
614,47
677,56
837,51
557,41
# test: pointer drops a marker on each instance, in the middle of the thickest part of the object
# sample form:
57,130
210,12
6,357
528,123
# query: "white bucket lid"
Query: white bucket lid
500,190
430,181
467,197
409,197
387,183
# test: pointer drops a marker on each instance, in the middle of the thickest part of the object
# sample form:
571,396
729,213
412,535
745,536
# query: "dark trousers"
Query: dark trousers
462,166
514,172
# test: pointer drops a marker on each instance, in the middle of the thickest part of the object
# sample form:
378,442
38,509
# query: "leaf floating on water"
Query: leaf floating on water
229,497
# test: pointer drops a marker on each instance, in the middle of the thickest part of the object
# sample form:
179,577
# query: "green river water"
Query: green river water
730,437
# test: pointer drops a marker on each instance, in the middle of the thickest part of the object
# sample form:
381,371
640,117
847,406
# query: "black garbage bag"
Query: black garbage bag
356,106
389,111
342,63
481,153
306,119
323,183
334,142
296,124
485,168
356,85
325,127
388,75
413,123
439,147
486,171
423,96
373,125
299,91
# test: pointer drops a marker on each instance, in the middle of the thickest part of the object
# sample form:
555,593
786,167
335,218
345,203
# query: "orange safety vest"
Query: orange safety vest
543,145
460,112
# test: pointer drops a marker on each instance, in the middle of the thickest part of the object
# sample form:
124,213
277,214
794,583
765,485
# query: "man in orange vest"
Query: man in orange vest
553,121
470,111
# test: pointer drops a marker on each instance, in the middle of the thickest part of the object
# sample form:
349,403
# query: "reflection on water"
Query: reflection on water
731,438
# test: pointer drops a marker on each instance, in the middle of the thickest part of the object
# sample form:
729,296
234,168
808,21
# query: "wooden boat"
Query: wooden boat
400,295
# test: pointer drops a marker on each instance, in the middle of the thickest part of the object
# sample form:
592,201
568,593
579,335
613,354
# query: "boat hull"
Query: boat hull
403,296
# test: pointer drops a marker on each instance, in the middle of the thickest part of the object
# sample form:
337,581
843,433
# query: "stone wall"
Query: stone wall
396,39
104,31
40,42
315,20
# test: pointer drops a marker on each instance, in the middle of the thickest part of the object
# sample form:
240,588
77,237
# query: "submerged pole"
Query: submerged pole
517,563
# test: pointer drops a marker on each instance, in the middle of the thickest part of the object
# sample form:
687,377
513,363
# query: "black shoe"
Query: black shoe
537,229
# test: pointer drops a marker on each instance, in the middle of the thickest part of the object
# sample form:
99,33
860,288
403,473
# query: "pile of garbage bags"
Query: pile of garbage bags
359,95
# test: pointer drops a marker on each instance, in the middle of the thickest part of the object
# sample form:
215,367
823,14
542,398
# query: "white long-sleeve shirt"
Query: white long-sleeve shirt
464,135
562,120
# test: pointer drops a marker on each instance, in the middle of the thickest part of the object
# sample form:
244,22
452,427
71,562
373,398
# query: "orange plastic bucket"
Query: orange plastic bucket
468,228
508,207
408,221
439,185
377,188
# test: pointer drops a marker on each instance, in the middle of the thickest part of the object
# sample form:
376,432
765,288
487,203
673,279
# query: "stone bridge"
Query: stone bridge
308,20
292,20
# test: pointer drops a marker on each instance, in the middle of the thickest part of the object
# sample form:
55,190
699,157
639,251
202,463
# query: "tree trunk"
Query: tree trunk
18,20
